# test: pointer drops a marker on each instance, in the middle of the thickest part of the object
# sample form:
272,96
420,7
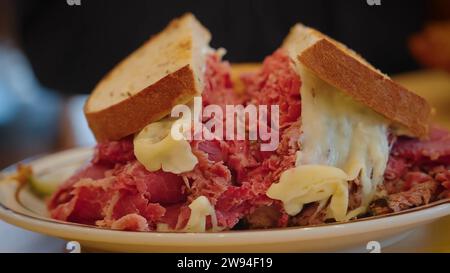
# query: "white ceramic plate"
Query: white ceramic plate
27,211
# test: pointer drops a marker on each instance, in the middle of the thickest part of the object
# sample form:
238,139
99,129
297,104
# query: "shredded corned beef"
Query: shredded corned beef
64,193
115,191
434,150
114,152
419,194
85,201
126,189
218,88
417,173
131,222
210,177
276,83
310,215
158,187
254,171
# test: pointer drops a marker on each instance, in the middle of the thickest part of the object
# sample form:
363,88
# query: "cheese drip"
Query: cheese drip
200,209
337,133
310,183
156,148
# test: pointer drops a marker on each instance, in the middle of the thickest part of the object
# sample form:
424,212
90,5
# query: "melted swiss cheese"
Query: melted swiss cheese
341,141
156,148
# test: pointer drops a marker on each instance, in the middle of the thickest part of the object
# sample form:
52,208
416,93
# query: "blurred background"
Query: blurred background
52,53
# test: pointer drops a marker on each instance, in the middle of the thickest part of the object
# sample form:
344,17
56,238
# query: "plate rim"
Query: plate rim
60,229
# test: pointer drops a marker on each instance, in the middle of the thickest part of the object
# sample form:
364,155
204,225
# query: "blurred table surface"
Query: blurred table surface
434,237
433,86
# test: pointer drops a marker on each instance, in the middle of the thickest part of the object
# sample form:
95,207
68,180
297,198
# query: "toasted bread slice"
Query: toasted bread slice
342,68
167,70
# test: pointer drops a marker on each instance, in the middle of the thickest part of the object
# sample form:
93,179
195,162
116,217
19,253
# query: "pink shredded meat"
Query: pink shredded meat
417,173
158,187
114,152
116,191
131,222
85,202
276,84
434,150
209,178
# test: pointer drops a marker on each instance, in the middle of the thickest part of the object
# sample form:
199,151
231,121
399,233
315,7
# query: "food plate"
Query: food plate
23,209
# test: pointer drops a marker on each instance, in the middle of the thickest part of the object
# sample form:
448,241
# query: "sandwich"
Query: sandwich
340,140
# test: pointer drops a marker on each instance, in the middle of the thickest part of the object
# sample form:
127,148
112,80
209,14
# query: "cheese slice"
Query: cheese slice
337,133
200,209
310,183
156,148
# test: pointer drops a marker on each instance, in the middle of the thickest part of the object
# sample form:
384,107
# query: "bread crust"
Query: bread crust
146,85
151,104
367,86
